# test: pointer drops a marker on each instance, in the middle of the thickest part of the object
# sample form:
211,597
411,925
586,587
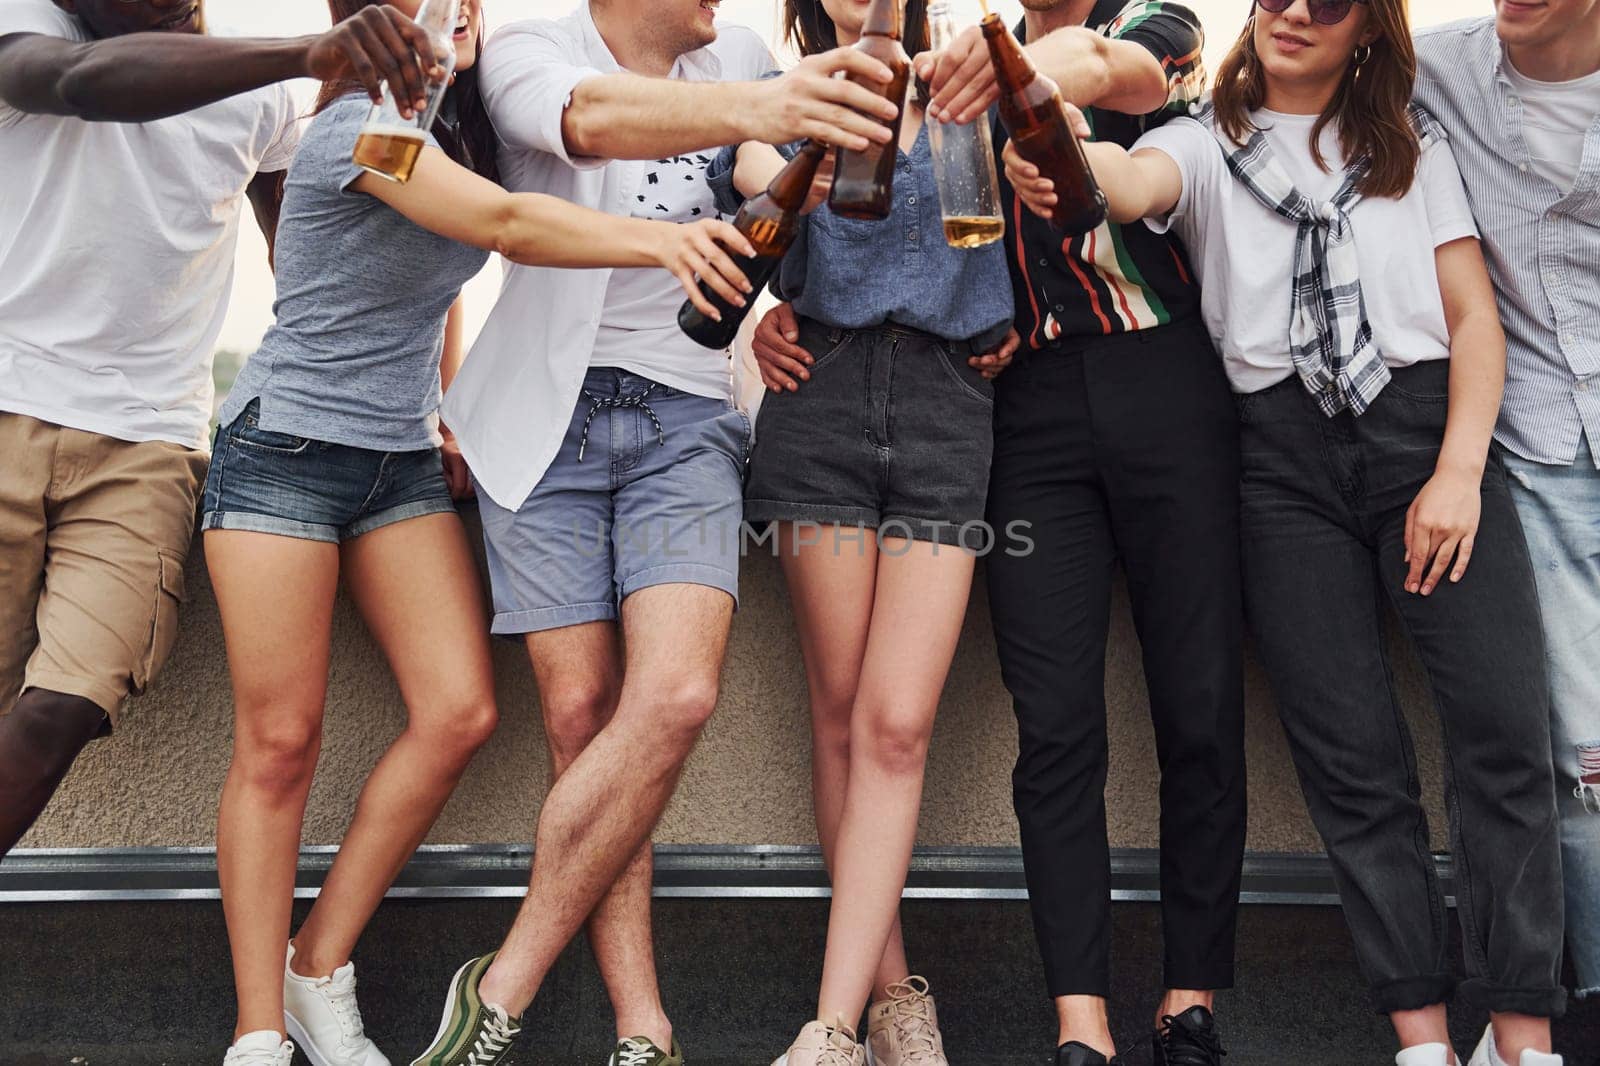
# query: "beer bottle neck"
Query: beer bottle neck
1012,68
439,17
884,19
793,183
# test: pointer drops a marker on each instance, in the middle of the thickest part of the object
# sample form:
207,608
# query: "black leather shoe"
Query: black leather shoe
1073,1053
1190,1039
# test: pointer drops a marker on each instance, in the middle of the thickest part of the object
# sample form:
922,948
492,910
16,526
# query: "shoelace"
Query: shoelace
633,1053
604,403
493,1039
340,994
838,1049
1186,1047
911,1020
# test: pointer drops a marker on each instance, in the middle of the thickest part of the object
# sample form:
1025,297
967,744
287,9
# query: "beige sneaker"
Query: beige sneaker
903,1030
823,1045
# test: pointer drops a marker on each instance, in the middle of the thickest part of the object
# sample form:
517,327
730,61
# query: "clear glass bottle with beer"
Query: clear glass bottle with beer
963,161
770,223
863,182
1035,115
389,144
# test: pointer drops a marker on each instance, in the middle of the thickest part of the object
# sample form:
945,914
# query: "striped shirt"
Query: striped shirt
1116,279
1543,246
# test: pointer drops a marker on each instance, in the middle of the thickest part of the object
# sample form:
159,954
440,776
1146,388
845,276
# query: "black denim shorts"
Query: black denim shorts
893,432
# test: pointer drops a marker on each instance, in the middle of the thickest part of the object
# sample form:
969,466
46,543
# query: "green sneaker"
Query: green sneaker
471,1032
639,1051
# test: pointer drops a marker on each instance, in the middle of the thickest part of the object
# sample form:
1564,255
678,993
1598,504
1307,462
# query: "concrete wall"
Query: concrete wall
157,781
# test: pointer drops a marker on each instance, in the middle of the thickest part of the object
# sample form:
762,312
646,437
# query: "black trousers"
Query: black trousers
1324,513
1124,448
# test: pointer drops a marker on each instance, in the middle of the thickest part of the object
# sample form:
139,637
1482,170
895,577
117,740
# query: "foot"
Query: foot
1488,1055
1189,1039
903,1030
1425,1055
641,1051
323,1018
823,1045
1073,1053
266,1048
471,1032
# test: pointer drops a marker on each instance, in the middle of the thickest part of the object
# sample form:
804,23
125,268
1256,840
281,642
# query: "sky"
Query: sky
251,310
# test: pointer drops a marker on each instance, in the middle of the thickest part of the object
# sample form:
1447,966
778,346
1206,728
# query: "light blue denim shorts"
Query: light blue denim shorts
646,490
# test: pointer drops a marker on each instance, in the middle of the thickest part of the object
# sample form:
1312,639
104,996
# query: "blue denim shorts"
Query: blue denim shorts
265,482
646,490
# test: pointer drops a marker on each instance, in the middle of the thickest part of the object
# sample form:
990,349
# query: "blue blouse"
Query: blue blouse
854,274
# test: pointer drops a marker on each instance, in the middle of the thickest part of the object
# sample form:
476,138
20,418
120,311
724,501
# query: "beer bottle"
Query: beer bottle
388,144
963,161
769,222
863,182
1032,109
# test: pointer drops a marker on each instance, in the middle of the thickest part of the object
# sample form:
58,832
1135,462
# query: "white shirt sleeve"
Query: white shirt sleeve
1199,158
38,16
527,74
746,55
286,137
1444,195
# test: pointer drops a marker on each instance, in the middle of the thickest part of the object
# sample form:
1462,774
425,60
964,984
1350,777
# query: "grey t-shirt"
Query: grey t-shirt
363,291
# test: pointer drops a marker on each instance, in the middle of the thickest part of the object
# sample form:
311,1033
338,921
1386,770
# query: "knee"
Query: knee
574,714
895,739
830,724
277,753
684,705
461,726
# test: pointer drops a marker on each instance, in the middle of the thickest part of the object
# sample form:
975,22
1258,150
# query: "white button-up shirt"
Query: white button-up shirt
511,404
1542,244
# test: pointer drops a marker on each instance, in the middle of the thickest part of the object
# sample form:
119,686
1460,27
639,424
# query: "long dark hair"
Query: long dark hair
807,26
1372,105
472,143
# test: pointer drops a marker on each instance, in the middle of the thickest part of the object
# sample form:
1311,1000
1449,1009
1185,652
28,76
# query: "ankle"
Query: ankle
1178,1000
495,992
653,1025
308,962
244,1029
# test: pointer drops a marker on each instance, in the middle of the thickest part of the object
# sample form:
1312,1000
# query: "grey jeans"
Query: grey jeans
1324,506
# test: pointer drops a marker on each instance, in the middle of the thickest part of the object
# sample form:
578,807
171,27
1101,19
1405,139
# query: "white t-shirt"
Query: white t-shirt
1556,118
639,321
116,252
1244,253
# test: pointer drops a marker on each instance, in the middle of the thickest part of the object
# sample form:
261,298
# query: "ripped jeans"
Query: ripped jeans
1560,510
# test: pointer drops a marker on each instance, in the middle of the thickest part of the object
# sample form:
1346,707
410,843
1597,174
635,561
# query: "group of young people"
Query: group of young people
1336,349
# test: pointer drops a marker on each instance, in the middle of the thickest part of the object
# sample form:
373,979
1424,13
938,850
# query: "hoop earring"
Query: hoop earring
1363,53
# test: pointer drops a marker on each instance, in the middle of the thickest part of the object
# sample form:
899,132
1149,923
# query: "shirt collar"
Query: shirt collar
701,64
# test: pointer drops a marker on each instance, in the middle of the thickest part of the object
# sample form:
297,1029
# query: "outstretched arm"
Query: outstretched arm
538,230
1146,184
140,77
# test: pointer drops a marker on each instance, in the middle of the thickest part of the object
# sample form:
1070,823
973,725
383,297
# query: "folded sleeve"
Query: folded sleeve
527,74
1173,34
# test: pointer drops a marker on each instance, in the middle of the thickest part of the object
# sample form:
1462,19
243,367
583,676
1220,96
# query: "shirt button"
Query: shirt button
911,200
1044,262
1567,340
1522,167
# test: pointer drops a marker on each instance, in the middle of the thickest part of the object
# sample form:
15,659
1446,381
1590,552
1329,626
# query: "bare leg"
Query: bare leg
1516,1033
39,740
603,808
832,592
579,671
416,584
1430,1025
1178,1000
917,614
1084,1019
276,597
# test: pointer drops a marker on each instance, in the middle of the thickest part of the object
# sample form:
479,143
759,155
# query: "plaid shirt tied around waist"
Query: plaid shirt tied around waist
1330,337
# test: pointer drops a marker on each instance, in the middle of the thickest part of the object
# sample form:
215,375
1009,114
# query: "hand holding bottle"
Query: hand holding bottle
960,78
700,250
1036,191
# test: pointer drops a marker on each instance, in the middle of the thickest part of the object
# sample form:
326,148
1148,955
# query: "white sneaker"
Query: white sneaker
323,1018
265,1048
1487,1055
1424,1055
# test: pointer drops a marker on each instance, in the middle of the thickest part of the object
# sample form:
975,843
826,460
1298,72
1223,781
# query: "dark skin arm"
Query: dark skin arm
140,77
266,199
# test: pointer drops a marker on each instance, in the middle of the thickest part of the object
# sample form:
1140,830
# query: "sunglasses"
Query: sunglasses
1324,12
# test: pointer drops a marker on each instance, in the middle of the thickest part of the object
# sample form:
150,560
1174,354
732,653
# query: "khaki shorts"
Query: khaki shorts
93,536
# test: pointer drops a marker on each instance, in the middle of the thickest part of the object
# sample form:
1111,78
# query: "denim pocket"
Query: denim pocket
844,229
970,381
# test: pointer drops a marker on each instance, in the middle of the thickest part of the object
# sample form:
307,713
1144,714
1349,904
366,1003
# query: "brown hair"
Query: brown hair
1371,105
807,26
472,142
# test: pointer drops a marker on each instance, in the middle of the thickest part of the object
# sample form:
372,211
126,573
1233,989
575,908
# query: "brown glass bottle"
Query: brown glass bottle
863,182
1034,114
769,222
